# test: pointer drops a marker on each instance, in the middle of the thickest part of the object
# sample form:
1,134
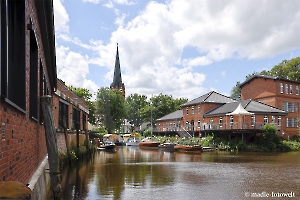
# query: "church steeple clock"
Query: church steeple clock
117,80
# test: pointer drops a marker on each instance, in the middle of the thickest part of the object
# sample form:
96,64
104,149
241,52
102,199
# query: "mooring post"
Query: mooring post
87,140
46,102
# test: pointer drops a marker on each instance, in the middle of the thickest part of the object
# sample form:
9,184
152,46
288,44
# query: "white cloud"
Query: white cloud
109,4
151,43
72,69
125,2
61,17
92,1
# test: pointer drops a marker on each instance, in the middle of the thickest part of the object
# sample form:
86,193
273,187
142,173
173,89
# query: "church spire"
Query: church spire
117,79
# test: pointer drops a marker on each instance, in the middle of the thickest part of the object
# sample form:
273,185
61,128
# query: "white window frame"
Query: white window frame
266,120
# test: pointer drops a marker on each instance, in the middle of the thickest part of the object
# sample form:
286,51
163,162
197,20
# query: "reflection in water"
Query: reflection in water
133,173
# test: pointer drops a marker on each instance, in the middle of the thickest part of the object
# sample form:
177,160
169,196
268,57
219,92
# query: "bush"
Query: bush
269,139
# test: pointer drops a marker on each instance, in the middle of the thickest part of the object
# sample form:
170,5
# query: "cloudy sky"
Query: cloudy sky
175,47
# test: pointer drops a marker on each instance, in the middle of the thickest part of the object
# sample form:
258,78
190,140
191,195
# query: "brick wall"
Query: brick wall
268,90
22,142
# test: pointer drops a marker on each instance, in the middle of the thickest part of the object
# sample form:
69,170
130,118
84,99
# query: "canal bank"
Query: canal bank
40,181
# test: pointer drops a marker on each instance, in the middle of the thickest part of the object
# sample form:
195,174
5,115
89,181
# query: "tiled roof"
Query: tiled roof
265,77
174,115
211,97
249,105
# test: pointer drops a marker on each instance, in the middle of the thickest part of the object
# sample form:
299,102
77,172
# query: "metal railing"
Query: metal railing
216,126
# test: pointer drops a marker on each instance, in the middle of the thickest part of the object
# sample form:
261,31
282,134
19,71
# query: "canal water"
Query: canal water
133,173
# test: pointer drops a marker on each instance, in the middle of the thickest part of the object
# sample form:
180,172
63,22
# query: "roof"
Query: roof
174,115
266,77
252,106
117,80
211,97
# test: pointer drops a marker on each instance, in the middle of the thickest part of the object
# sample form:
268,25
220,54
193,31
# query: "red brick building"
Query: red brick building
277,92
28,71
69,107
223,116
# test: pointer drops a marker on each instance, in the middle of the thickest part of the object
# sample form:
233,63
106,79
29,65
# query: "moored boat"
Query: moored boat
132,142
107,146
185,148
167,146
149,144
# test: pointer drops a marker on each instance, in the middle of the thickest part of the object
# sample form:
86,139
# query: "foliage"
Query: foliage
293,145
147,133
111,105
134,104
86,96
269,139
287,69
160,105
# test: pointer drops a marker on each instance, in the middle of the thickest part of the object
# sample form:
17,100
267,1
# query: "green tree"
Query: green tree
269,139
160,105
287,69
86,96
111,106
134,104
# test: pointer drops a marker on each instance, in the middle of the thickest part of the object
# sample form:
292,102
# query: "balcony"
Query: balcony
235,126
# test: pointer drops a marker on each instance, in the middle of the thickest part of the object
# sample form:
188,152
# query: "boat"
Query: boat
107,146
204,149
120,143
132,142
167,146
186,148
148,143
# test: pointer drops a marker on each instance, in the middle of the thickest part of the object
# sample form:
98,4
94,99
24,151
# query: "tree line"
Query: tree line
112,108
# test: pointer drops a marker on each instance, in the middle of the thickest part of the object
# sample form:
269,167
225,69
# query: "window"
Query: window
291,89
253,120
279,121
198,109
291,122
199,124
84,121
192,124
187,111
63,119
273,119
33,104
231,120
221,122
13,53
193,110
281,88
290,107
297,90
76,118
286,89
266,120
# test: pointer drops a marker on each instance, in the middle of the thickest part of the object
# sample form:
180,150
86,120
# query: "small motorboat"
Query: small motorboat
107,146
132,142
148,143
167,146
